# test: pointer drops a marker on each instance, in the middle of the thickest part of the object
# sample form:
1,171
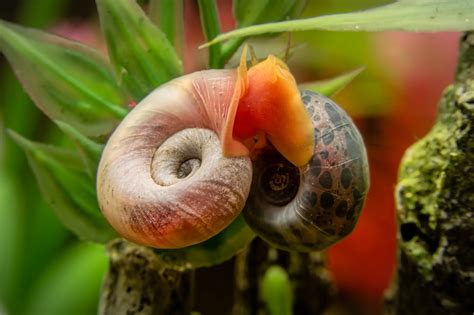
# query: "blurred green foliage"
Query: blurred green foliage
276,291
34,246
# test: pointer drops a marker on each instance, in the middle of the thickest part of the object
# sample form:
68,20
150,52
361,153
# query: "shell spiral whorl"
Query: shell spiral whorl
315,206
162,180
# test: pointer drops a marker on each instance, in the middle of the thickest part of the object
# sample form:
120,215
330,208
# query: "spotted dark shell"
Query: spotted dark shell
312,207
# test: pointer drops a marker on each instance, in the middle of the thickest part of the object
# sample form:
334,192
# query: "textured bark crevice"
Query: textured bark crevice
310,280
139,282
435,206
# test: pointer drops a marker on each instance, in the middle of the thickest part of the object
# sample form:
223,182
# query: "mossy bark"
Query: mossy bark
139,282
312,289
435,206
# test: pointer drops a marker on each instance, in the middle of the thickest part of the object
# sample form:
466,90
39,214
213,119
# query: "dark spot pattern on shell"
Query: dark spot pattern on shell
346,178
317,135
327,200
350,213
325,180
341,209
323,221
307,99
296,230
331,189
332,113
315,167
328,137
356,194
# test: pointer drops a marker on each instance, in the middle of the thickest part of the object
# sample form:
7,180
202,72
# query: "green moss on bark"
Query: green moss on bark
435,204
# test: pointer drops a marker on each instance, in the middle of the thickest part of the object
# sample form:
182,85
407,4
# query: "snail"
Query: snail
177,171
200,149
311,207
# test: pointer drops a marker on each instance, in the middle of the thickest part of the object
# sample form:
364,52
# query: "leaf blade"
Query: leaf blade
406,15
67,189
142,56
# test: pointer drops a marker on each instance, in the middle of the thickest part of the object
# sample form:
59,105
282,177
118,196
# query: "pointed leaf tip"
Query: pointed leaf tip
332,86
89,150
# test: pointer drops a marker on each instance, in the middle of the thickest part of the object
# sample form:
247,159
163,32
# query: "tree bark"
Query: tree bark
311,283
435,205
139,282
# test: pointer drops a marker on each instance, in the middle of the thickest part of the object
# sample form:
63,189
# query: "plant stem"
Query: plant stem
211,28
435,203
139,282
312,288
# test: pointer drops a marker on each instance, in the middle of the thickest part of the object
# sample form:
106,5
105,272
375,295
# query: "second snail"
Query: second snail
207,146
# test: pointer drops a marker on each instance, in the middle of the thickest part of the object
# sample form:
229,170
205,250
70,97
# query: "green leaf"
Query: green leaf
71,285
214,251
68,81
11,235
404,15
67,189
142,56
168,15
90,151
251,12
332,86
276,291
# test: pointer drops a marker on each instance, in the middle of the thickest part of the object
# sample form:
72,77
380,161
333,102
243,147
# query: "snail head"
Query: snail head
267,106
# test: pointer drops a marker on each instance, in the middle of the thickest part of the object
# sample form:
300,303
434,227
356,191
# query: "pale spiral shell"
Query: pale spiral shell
162,179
